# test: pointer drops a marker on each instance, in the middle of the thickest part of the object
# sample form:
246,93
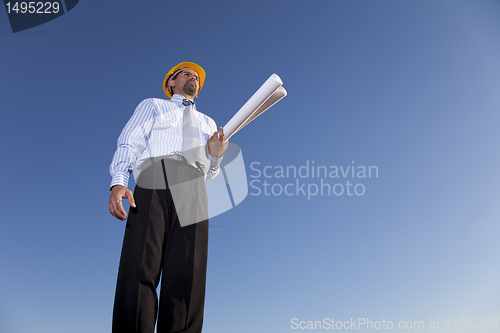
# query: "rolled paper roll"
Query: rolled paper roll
273,99
266,96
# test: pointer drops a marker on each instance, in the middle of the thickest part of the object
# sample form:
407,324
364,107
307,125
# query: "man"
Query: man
155,244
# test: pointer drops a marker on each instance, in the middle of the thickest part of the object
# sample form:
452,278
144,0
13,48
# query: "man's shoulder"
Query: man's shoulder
157,105
156,101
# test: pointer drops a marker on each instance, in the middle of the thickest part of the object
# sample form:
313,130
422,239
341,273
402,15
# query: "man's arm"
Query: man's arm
131,144
216,145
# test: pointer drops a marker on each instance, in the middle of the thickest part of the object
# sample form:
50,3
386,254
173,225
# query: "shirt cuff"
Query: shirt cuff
120,178
215,161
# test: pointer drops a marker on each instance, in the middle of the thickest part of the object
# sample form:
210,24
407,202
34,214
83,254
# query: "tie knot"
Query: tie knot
187,102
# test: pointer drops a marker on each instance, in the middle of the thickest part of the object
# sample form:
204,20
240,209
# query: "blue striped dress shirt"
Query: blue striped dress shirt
154,130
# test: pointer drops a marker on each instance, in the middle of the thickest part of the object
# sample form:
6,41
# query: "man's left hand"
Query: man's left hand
217,144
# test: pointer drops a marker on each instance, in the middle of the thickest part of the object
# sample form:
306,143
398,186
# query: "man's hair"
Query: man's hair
173,77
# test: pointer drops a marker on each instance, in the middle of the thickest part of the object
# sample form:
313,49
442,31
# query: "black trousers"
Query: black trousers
156,245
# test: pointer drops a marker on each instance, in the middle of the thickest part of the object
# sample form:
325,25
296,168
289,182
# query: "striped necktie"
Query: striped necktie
191,149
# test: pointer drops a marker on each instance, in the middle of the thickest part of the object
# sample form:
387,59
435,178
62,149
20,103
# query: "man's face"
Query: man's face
187,83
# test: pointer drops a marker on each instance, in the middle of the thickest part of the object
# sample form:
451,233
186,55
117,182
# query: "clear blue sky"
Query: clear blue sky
411,87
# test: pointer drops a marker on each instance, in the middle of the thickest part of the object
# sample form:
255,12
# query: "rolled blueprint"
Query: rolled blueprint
273,99
266,96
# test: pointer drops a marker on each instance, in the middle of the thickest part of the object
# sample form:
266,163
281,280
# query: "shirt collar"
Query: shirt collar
179,98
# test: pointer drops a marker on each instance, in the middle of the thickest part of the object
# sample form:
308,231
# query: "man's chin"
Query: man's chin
189,90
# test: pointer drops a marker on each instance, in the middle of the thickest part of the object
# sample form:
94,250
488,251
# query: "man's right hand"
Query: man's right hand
118,192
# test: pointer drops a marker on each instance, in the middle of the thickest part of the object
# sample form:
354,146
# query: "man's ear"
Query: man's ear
170,83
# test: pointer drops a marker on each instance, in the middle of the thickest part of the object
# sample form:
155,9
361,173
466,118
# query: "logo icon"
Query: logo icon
196,199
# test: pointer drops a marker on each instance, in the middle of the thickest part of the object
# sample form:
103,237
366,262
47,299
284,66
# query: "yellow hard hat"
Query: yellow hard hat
192,65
